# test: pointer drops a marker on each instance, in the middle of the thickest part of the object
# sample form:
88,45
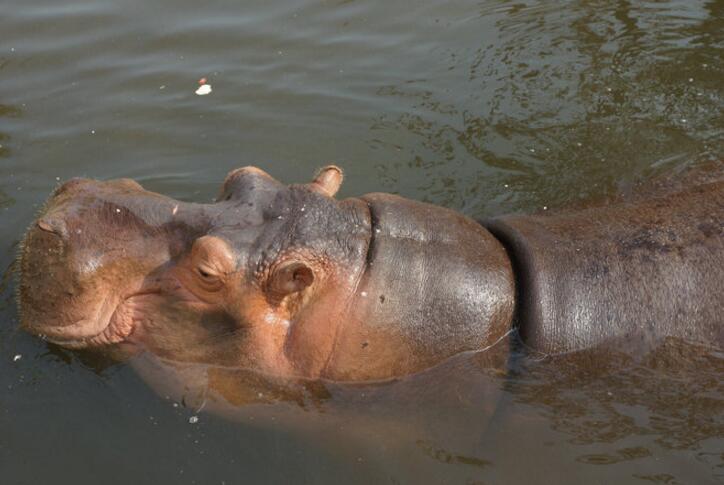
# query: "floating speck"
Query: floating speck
162,86
118,211
175,210
57,179
17,357
204,89
193,419
532,150
364,293
691,79
93,132
683,120
505,185
545,207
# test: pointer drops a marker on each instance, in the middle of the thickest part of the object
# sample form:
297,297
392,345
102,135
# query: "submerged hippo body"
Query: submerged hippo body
288,281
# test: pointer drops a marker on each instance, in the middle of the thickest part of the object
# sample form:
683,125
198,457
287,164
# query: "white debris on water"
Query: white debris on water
193,419
204,89
17,357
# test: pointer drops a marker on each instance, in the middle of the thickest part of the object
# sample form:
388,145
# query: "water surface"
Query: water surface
483,106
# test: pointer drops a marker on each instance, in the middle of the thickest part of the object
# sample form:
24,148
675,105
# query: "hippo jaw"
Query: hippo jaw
75,290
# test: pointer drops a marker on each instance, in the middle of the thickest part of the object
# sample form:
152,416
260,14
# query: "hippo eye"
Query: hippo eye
204,273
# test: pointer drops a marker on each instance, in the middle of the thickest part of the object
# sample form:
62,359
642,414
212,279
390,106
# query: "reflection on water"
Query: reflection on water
580,95
484,106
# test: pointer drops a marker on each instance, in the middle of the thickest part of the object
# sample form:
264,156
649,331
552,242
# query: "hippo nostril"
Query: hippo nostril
51,225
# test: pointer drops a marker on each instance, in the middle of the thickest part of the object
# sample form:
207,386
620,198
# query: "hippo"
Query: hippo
287,281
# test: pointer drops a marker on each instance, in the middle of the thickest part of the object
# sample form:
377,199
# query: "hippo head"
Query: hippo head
281,279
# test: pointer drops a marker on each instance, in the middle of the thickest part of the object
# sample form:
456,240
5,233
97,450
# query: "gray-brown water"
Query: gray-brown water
485,107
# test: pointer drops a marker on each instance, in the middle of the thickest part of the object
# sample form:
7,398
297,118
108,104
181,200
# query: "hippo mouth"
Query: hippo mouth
110,324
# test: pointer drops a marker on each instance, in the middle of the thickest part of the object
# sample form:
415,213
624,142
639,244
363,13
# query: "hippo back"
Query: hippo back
628,274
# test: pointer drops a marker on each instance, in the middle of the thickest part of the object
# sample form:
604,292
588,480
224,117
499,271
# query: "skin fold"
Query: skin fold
288,282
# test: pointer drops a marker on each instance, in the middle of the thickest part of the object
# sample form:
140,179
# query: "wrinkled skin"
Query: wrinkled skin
284,280
289,282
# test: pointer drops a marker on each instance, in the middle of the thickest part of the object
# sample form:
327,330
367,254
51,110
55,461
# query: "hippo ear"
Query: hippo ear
328,180
244,180
290,277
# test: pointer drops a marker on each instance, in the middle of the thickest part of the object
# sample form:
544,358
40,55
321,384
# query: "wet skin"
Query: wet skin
289,282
